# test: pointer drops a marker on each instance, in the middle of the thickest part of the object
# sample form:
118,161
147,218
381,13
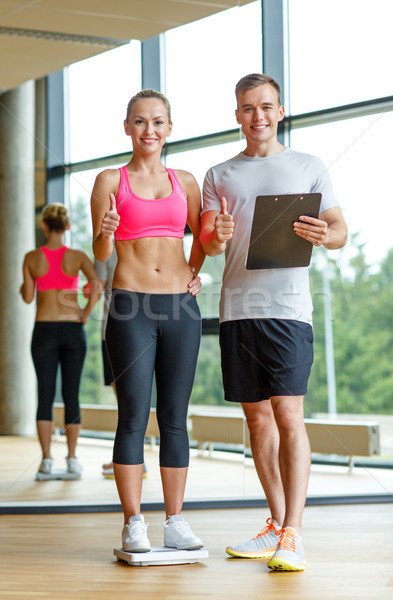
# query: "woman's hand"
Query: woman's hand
195,284
111,219
84,316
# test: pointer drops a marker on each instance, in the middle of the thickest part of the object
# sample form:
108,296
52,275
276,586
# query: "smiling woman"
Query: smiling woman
154,321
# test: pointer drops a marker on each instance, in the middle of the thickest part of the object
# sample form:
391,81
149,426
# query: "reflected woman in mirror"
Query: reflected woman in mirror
59,336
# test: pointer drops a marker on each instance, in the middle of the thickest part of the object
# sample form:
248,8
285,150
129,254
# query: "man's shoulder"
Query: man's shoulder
302,157
222,166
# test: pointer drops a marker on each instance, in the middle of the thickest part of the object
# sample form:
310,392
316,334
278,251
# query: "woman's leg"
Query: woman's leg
173,487
131,343
72,435
177,353
72,355
45,430
46,359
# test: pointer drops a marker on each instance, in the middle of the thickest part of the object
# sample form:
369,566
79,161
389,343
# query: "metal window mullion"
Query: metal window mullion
273,44
55,136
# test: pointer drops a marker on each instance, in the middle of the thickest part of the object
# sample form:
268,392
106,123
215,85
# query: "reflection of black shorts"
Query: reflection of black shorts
261,358
108,376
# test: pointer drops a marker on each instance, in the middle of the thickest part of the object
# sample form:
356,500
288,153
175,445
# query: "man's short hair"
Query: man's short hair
254,80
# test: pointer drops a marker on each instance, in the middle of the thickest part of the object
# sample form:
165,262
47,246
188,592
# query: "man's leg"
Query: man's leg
264,446
294,456
264,437
294,459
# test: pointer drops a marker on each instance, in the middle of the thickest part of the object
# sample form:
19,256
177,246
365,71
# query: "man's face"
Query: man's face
259,112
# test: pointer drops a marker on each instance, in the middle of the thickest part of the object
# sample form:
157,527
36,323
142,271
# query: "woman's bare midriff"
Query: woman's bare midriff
58,305
152,265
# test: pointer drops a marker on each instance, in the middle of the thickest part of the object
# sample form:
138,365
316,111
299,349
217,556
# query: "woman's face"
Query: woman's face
148,125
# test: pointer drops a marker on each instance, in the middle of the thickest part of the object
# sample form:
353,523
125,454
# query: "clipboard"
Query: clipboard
273,243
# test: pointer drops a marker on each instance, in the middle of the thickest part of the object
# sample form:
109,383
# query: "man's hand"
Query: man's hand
223,224
313,230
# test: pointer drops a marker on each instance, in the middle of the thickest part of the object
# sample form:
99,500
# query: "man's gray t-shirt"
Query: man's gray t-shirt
268,293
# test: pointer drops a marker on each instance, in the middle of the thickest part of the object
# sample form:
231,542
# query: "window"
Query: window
99,91
357,154
361,276
204,60
338,52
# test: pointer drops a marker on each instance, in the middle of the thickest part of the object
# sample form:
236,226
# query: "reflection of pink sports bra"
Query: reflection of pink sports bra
55,278
140,218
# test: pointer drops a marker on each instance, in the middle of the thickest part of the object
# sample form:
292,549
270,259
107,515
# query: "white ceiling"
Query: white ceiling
38,37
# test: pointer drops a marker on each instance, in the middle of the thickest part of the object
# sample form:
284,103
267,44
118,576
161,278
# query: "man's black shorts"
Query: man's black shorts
261,358
108,376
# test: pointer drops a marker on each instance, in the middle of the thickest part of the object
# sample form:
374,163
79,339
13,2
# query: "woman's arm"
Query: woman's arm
27,289
103,212
95,285
197,254
191,188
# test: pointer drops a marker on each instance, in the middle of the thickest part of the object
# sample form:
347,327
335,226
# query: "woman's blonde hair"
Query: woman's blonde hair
143,94
55,215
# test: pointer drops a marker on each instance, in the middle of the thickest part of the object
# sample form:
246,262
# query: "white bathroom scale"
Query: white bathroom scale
160,555
57,474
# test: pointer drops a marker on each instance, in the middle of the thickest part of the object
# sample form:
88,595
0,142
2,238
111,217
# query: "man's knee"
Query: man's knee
288,413
259,417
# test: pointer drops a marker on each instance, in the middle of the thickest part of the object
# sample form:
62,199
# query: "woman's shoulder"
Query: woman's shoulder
108,177
33,255
186,179
77,256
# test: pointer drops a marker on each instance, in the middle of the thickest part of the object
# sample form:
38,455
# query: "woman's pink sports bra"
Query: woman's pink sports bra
140,218
55,278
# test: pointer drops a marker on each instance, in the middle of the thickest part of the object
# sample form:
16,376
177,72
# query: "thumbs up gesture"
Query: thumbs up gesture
223,224
111,219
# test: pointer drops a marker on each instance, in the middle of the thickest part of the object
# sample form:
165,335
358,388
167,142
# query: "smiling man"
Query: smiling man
266,334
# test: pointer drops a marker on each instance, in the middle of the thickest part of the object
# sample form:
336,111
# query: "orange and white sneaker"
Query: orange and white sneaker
262,546
289,555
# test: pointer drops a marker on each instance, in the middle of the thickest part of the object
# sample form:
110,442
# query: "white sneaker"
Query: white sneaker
74,466
46,466
134,535
178,534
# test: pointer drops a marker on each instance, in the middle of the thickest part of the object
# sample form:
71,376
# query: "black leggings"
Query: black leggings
147,334
55,343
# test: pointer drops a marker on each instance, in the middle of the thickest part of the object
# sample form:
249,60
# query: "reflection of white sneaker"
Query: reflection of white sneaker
134,535
74,466
108,473
178,534
46,466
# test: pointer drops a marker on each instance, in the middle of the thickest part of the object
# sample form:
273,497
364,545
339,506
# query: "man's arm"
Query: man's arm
216,230
329,230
